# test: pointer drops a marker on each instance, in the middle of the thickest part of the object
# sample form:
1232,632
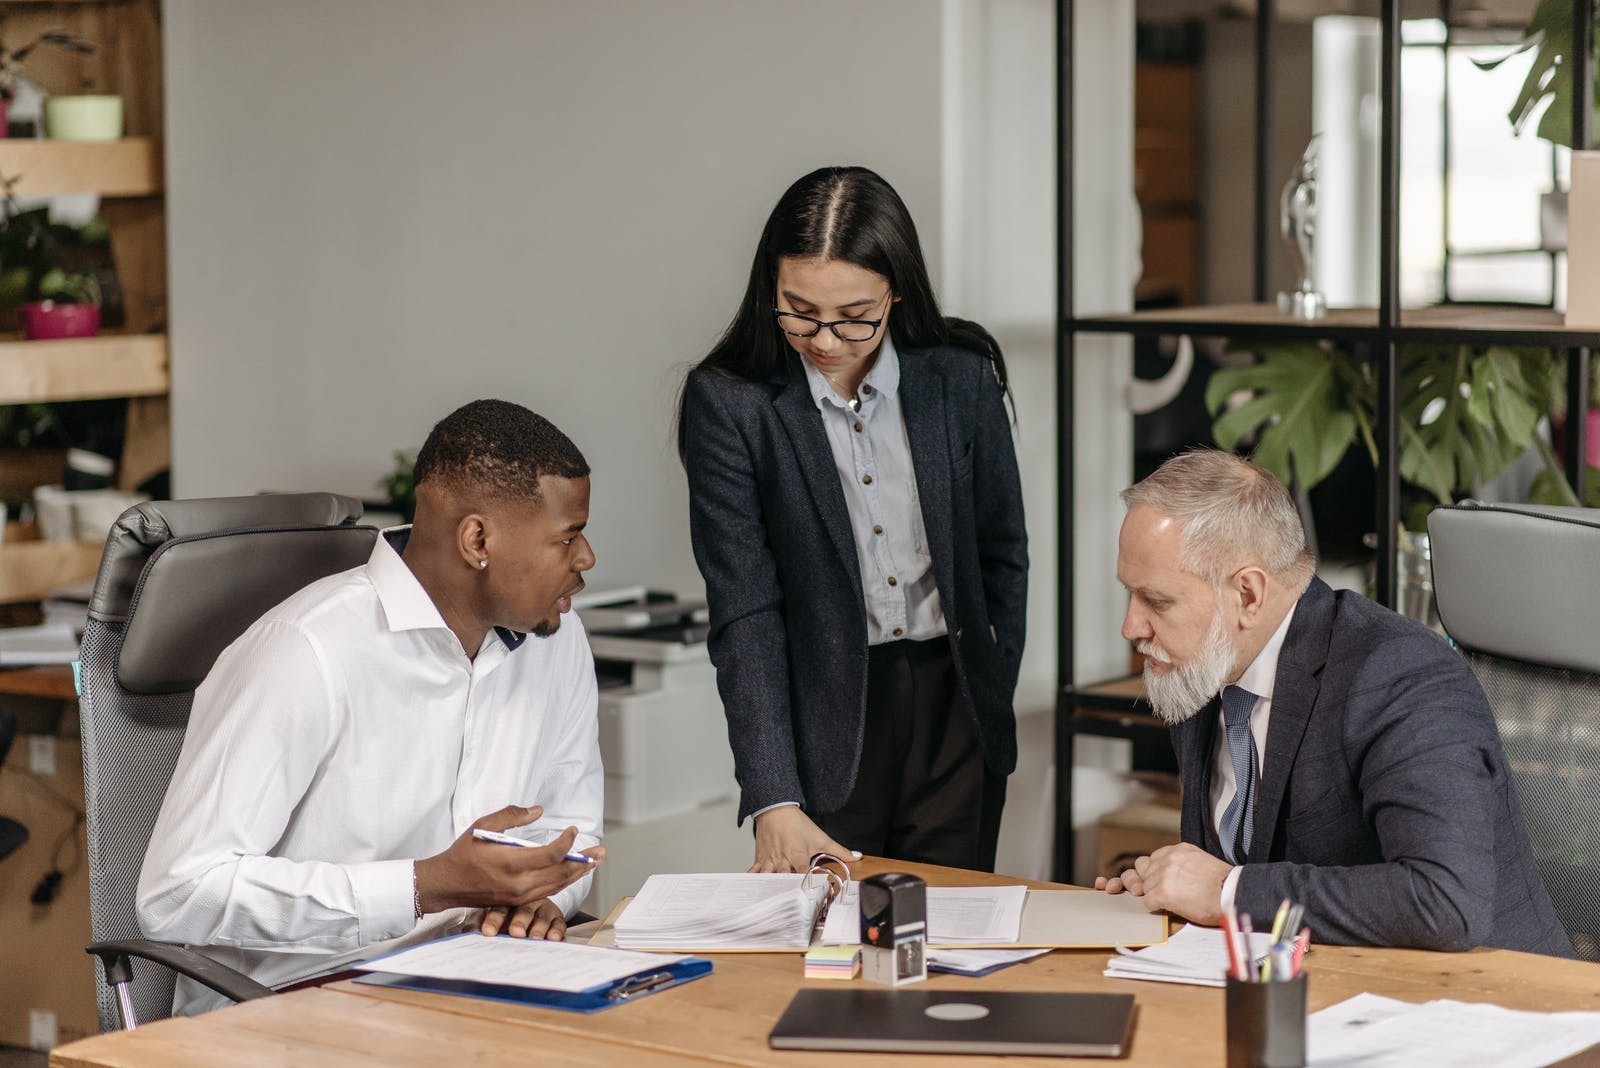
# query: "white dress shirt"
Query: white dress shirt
873,455
340,738
1258,678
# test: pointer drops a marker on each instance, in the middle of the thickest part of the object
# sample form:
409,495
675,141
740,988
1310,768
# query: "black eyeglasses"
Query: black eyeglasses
797,325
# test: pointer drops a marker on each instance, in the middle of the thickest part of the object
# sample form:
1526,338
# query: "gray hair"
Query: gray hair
1232,513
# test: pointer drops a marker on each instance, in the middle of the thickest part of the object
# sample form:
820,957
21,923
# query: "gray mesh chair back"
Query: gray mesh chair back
1519,590
179,581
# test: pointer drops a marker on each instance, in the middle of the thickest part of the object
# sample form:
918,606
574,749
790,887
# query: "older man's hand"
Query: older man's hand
1185,881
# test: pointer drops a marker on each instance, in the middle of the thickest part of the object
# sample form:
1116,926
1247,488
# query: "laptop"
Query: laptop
957,1021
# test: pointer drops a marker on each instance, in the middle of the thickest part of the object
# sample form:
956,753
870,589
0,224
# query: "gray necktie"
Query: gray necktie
1238,819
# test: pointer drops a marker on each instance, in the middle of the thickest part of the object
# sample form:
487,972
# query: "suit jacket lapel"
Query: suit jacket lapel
1294,696
1194,739
798,411
922,405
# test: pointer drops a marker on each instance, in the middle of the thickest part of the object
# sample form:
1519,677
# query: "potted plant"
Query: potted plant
11,62
68,306
1466,415
85,116
399,488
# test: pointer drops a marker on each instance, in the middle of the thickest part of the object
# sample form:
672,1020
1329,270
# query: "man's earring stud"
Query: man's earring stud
483,563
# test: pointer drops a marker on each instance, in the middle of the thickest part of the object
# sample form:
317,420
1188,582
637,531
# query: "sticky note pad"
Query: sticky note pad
833,962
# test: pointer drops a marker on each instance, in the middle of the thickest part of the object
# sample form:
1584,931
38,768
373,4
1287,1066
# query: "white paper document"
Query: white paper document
979,961
526,962
1196,956
48,643
956,914
722,911
1377,1032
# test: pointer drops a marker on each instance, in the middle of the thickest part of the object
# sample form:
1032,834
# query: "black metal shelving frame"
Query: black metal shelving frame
1378,341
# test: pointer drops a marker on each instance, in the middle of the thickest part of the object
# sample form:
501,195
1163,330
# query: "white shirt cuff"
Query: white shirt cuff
385,892
769,808
1230,886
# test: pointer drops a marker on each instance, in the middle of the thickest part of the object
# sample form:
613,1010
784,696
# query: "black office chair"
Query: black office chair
1518,589
179,581
12,834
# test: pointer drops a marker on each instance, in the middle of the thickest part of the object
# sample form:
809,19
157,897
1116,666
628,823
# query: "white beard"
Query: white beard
1178,694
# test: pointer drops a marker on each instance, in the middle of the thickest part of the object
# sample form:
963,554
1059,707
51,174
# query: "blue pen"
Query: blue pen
505,839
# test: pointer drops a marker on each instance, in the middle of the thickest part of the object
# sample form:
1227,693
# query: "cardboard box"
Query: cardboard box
47,994
1135,831
1583,242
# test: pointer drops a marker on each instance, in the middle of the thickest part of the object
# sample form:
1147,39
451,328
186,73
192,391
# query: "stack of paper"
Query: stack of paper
1378,1032
734,911
526,962
977,915
49,643
1194,955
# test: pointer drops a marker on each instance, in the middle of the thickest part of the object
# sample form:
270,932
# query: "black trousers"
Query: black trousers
922,791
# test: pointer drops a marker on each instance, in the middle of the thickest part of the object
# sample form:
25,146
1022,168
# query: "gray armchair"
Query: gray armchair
1518,588
178,582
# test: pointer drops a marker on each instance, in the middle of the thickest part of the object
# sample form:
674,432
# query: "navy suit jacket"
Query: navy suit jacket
771,534
1385,803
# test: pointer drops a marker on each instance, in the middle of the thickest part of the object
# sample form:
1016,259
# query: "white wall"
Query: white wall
381,209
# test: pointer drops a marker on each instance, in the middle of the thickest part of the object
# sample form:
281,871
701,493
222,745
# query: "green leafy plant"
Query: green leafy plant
398,486
1466,415
33,249
1549,36
11,60
64,287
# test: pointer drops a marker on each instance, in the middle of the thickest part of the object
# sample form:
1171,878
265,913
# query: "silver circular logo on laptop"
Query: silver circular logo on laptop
957,1011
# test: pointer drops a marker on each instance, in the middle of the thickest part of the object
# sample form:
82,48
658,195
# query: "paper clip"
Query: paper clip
640,984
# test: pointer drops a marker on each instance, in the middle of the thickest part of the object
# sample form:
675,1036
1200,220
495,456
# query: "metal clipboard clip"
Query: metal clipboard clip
639,984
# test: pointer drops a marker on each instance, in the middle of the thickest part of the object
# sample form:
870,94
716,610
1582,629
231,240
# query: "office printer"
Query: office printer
663,738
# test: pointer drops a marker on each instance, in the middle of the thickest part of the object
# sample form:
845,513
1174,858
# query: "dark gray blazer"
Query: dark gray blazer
772,537
1385,804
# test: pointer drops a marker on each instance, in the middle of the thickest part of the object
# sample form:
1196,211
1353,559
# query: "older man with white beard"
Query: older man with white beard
1331,751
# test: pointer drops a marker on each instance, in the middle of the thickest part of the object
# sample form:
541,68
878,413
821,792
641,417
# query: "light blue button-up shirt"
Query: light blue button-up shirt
873,455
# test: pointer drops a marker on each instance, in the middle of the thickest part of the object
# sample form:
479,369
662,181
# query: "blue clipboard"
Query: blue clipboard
648,981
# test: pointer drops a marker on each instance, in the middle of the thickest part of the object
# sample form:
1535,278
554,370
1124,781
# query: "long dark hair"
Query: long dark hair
849,214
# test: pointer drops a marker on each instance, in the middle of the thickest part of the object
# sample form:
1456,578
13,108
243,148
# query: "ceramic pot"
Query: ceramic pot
83,118
47,319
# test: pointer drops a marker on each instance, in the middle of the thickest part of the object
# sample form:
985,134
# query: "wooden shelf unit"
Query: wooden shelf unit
128,175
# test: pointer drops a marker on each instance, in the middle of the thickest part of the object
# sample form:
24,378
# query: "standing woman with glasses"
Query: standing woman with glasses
856,513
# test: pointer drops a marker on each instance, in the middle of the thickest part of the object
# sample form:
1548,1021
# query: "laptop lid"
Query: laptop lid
957,1021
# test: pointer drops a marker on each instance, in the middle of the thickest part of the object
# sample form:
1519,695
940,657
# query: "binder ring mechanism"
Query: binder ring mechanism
835,871
640,984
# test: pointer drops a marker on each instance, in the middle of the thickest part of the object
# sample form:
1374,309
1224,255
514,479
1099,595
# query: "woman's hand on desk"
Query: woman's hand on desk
477,874
539,920
787,839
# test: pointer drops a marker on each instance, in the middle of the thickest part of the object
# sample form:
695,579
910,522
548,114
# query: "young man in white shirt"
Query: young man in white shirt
342,750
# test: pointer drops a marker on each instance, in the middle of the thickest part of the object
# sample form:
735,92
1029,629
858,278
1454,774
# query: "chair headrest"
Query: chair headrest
140,530
1520,581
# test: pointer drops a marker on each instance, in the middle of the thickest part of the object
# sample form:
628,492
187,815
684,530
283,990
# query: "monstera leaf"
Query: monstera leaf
1468,415
1549,36
1305,410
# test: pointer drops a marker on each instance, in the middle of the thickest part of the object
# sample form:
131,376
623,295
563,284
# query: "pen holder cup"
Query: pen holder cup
1266,1024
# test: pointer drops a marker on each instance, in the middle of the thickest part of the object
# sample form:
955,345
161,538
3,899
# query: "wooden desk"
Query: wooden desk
725,1017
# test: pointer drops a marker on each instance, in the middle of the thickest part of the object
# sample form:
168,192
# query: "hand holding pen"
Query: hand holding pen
476,873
